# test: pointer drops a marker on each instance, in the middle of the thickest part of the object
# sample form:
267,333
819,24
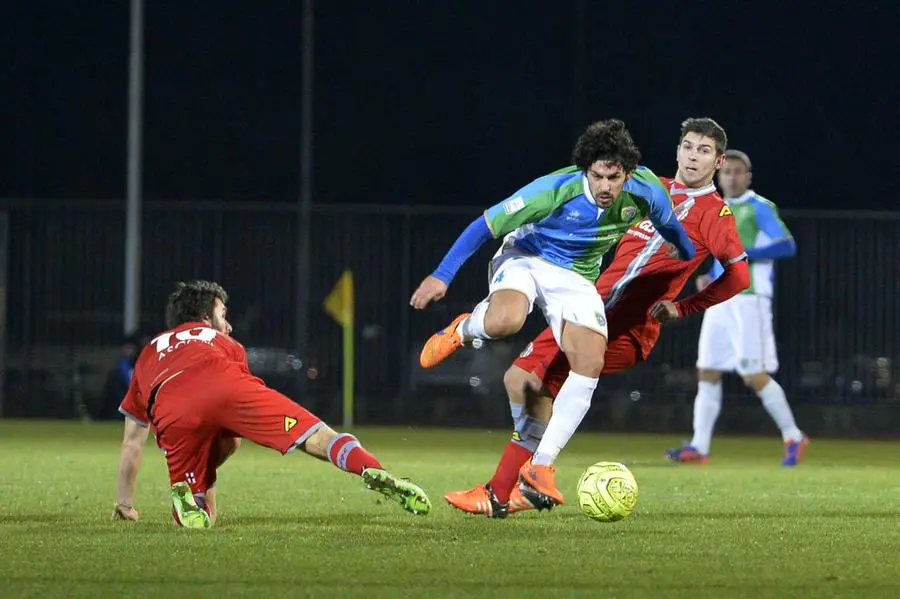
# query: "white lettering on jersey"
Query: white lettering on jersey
165,346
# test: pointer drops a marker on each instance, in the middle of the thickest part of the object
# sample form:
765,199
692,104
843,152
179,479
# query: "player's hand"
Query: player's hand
703,282
664,311
430,290
125,512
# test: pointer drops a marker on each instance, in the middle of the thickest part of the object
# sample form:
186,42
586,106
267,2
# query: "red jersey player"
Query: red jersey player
638,288
192,385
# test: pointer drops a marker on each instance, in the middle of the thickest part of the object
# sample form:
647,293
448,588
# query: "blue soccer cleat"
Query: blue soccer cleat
794,450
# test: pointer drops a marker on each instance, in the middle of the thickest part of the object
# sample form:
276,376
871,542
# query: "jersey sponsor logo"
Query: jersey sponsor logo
639,235
628,212
166,343
289,423
725,211
514,205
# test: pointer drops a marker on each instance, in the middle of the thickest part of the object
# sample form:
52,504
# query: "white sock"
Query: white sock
473,326
707,406
775,403
572,403
516,409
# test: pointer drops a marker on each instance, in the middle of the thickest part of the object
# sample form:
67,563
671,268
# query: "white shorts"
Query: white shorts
737,336
563,295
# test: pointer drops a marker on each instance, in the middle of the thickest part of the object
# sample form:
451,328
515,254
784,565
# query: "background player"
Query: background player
738,334
639,288
559,227
192,384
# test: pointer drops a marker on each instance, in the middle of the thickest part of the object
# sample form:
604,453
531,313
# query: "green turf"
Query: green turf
293,527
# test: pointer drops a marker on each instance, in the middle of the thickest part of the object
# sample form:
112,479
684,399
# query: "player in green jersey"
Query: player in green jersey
556,231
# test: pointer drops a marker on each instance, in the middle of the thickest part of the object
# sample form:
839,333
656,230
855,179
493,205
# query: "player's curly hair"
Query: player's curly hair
706,127
608,141
193,301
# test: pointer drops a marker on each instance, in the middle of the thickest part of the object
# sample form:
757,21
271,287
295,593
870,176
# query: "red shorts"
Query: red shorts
194,411
544,358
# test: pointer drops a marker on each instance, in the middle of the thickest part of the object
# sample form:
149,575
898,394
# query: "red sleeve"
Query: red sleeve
133,406
719,234
735,279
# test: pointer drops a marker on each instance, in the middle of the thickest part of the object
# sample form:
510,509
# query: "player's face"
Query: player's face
697,160
218,320
606,180
734,178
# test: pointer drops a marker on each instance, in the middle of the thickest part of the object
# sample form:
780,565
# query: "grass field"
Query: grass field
293,527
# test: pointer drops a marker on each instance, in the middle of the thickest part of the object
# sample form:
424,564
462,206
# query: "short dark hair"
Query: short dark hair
608,141
706,127
193,301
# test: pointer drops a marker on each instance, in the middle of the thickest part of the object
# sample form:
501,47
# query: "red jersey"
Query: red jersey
172,352
646,269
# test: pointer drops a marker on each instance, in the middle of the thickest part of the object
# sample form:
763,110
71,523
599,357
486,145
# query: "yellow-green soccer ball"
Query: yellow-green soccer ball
607,492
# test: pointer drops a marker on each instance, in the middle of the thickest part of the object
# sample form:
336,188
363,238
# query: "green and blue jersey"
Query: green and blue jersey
556,219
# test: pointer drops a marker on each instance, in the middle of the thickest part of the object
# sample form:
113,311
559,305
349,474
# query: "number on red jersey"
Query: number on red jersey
164,342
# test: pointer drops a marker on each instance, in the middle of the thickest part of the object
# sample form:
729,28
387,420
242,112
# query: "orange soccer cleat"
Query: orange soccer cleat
518,502
481,500
442,344
538,485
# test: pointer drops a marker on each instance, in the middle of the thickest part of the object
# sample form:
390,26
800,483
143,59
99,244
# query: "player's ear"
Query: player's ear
720,161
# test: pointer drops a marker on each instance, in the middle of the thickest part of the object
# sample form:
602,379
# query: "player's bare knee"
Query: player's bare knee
506,313
586,360
589,365
709,376
514,381
757,381
503,322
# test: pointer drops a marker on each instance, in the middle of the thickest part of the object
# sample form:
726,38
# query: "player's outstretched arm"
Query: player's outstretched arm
530,204
434,287
133,440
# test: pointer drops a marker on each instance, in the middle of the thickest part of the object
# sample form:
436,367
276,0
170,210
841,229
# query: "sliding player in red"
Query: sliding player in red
639,289
193,386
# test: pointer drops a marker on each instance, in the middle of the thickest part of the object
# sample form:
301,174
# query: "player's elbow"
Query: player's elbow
790,248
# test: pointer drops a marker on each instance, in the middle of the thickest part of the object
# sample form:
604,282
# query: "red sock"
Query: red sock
504,480
345,452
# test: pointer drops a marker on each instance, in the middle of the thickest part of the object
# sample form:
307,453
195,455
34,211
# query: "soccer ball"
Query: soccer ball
607,492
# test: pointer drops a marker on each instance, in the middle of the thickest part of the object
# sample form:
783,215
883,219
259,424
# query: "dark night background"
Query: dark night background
434,102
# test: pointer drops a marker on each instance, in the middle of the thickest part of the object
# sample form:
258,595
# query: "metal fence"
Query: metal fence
836,314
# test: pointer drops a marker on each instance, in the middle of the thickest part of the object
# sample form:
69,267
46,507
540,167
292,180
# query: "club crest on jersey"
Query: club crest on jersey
628,212
601,320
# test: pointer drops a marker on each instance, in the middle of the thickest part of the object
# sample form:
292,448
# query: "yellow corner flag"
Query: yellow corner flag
340,304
